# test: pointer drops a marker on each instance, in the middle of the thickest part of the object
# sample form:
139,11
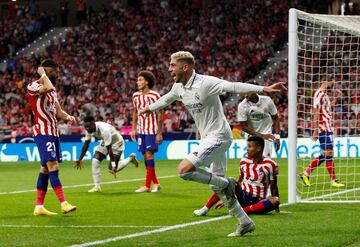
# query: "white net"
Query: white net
328,50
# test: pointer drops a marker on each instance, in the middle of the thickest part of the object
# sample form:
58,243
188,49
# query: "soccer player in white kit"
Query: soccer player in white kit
256,114
111,143
200,95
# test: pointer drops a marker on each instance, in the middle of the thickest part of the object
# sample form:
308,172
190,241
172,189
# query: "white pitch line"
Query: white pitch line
163,229
76,226
331,194
85,185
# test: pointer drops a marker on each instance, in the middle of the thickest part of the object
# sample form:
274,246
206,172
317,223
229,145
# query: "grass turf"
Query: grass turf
118,211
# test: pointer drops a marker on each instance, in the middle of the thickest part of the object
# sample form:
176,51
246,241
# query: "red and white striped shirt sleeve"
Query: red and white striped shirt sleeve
33,88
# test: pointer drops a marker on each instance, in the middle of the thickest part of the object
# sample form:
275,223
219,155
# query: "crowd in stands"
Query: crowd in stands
22,25
100,58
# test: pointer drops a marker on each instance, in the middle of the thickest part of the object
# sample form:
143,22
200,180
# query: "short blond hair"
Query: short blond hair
184,56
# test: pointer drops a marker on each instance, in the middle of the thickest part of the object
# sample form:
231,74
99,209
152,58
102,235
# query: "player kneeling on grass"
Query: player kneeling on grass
111,143
256,175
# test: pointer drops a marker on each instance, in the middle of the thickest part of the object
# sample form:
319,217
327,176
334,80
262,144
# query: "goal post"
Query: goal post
323,48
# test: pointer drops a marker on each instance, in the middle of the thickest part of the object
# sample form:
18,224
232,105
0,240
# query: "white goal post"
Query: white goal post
323,48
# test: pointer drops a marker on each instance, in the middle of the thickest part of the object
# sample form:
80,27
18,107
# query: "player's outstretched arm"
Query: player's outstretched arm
246,128
161,103
278,87
79,163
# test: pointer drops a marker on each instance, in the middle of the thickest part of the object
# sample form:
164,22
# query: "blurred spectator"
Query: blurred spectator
80,11
64,12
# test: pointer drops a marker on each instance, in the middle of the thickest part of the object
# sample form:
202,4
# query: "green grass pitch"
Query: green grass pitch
132,219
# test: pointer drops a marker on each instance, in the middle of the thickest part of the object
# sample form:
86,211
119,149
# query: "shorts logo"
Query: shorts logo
53,154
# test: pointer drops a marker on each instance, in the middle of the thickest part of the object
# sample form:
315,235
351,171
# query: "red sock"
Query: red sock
153,176
148,177
255,208
331,169
40,196
314,163
212,200
59,193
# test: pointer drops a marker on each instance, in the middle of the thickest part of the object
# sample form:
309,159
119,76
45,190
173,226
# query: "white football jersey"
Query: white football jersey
258,115
105,132
201,98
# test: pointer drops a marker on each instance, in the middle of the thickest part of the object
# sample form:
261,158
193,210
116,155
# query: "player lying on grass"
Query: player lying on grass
256,175
111,143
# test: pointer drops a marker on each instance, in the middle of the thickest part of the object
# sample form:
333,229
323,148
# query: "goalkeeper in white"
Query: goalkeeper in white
111,143
200,95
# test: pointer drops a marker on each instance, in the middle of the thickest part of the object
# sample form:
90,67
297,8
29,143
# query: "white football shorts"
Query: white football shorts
211,153
117,148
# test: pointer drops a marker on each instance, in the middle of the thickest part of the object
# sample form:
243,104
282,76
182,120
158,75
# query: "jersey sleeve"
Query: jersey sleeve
216,86
274,171
33,88
242,113
272,107
317,100
166,99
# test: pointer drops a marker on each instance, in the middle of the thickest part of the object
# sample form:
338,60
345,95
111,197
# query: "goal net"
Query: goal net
324,48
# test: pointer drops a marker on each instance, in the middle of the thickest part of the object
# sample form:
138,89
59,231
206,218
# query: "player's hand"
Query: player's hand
113,172
79,164
338,93
133,135
41,71
145,110
159,138
276,88
113,168
315,135
220,204
268,137
70,119
277,144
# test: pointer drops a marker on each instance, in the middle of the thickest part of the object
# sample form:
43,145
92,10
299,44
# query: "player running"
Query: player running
200,95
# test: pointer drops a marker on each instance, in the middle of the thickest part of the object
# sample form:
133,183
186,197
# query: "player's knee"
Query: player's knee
185,166
149,155
52,165
186,175
328,152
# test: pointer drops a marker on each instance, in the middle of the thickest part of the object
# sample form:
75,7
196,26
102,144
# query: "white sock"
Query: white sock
235,210
205,177
123,163
37,207
96,173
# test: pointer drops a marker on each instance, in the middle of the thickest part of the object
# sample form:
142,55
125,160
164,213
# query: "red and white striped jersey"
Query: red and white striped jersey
256,177
146,125
323,103
44,110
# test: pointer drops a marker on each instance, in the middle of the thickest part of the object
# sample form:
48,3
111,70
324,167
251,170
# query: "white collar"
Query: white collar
191,80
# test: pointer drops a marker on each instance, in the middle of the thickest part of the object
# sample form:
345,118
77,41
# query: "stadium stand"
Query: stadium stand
100,57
